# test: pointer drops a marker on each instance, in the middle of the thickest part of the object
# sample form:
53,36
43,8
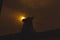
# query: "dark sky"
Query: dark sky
45,12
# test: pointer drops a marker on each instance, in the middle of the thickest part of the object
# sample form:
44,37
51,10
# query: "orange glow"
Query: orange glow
23,18
20,18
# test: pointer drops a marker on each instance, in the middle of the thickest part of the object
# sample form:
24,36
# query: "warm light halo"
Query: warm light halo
20,18
23,17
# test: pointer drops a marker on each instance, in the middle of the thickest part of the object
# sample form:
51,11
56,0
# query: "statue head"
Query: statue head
29,19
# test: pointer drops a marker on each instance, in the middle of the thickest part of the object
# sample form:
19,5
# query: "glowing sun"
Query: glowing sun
20,18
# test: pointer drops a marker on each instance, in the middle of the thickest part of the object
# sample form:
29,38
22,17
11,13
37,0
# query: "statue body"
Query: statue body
27,30
28,26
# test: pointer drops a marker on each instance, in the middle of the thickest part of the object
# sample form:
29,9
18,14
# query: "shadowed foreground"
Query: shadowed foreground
53,35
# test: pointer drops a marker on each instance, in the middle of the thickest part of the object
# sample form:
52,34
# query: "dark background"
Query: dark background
45,12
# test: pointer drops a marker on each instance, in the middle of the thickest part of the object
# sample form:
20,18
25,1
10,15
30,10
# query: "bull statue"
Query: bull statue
27,30
28,26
